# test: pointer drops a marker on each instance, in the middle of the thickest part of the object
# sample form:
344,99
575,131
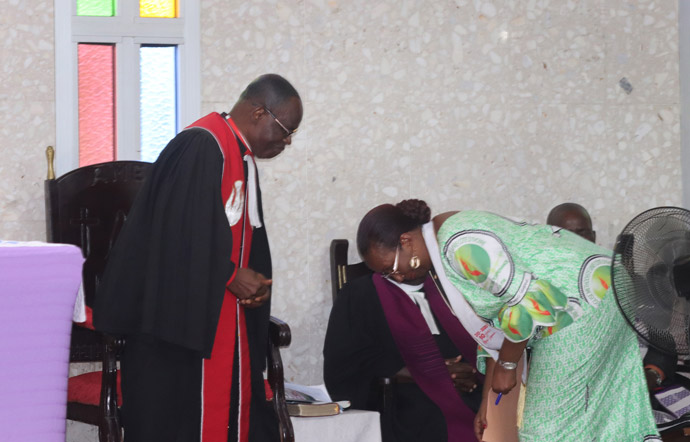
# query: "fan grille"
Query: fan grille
646,289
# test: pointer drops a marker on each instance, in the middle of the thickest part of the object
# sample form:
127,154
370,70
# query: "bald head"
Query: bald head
572,217
270,90
268,113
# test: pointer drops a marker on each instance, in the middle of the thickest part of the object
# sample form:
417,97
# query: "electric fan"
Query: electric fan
651,277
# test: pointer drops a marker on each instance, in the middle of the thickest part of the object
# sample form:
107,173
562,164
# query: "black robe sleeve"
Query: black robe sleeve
263,424
359,346
167,271
257,318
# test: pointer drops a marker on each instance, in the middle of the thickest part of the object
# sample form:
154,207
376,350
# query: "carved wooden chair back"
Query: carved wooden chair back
341,271
87,207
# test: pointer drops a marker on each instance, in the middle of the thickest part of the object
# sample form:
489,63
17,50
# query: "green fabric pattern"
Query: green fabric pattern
551,287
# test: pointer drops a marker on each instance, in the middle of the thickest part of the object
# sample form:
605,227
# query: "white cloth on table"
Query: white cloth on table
349,426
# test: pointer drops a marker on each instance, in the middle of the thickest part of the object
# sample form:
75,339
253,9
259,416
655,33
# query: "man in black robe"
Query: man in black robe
360,349
191,270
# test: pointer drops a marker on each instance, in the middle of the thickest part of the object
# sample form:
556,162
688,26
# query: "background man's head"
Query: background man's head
268,113
572,217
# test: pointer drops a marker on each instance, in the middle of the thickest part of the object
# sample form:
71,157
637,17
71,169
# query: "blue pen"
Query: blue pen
498,399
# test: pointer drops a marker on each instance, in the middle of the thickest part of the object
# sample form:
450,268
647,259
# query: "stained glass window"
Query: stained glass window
124,87
100,8
96,103
158,98
158,8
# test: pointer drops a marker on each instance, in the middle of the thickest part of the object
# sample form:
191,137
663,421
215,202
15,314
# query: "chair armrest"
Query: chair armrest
86,345
386,386
279,332
279,336
110,423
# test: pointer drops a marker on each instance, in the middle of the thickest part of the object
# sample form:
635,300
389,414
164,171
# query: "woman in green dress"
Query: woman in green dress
516,286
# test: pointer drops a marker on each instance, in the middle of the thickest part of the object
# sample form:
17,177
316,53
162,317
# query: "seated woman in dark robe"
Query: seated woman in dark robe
372,334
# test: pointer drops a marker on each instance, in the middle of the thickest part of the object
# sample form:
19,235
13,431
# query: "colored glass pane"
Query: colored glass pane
158,8
158,98
96,103
100,8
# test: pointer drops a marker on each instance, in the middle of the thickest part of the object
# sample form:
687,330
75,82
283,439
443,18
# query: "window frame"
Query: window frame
684,69
127,31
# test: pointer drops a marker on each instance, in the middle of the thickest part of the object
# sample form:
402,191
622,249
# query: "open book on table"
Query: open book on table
314,400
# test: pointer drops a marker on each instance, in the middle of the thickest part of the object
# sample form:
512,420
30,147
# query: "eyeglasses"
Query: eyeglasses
395,264
288,133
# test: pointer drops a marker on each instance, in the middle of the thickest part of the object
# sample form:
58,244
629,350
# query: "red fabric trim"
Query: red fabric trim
86,388
217,386
89,319
218,376
269,390
232,277
239,133
245,383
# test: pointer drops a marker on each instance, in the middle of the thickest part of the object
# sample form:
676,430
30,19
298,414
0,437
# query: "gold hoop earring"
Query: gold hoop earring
414,262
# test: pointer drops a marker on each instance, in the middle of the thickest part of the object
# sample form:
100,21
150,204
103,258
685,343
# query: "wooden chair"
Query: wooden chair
279,336
87,207
341,273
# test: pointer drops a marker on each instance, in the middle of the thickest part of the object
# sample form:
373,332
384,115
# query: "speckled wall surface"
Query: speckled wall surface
27,107
510,106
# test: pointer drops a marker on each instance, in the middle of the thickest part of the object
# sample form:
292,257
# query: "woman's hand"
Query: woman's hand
480,422
503,380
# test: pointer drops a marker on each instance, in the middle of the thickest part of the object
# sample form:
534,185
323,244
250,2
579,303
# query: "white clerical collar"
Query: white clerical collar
252,176
416,294
407,288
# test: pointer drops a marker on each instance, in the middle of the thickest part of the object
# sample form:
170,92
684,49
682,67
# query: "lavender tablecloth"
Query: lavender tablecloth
38,287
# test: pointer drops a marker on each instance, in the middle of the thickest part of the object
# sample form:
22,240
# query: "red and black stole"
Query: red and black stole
231,333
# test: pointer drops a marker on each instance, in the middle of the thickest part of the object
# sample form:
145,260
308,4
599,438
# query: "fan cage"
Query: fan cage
643,282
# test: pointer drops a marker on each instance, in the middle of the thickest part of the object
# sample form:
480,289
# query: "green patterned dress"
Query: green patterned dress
549,286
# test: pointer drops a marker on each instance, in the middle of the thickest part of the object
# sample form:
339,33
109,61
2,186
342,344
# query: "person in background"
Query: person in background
574,218
659,367
188,280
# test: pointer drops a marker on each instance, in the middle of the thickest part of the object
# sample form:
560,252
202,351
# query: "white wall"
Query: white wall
510,106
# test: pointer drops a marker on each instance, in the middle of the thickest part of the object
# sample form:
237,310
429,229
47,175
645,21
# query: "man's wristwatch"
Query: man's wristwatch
507,365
